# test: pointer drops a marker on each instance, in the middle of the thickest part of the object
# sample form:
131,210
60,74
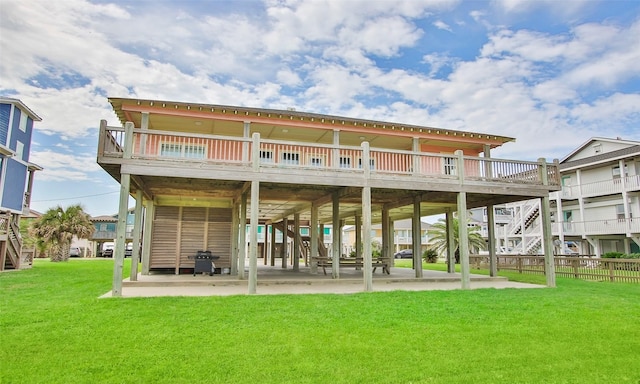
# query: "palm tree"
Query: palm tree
58,226
438,234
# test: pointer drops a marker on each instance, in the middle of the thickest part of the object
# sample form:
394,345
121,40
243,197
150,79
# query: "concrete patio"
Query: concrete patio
276,280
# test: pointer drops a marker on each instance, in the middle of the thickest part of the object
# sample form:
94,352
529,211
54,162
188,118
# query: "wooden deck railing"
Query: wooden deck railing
580,267
177,146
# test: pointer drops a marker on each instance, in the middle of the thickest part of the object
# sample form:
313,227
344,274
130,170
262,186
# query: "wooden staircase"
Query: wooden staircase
10,243
305,241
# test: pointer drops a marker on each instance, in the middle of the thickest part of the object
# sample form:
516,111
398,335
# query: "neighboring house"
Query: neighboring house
597,210
104,234
16,177
599,205
200,172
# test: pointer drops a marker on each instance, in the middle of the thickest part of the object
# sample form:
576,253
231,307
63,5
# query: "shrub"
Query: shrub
430,255
614,255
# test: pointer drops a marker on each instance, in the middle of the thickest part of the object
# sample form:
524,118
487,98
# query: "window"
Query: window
372,163
170,150
345,162
179,150
566,181
620,212
616,172
290,158
266,156
316,161
19,149
23,122
327,231
194,151
450,166
304,231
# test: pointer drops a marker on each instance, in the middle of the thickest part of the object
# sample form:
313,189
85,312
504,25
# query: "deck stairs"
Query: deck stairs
305,241
525,228
10,243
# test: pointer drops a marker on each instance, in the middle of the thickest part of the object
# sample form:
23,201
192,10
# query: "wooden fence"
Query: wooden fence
580,267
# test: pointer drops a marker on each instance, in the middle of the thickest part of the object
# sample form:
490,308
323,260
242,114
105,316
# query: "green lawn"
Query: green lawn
54,329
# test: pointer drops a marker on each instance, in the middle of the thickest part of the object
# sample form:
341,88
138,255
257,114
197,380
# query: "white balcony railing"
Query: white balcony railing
600,188
211,149
598,227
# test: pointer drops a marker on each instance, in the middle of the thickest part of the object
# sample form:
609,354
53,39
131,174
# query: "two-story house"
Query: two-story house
597,211
201,172
599,204
16,176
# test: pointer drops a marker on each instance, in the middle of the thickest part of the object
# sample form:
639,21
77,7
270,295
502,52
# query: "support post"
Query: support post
358,229
296,242
285,242
416,239
242,238
463,241
491,228
150,213
335,265
123,209
547,235
313,229
273,245
253,247
451,249
137,234
367,270
235,237
386,249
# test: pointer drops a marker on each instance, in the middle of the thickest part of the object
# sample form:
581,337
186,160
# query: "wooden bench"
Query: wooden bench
352,262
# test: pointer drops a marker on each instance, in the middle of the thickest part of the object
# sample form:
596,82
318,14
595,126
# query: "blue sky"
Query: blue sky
551,74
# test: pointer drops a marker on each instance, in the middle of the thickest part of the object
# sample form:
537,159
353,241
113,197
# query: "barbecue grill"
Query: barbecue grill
204,263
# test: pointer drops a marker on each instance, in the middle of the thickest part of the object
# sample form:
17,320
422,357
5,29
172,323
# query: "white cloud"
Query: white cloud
337,57
442,25
64,166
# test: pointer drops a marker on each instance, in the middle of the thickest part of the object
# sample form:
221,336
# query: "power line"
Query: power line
76,197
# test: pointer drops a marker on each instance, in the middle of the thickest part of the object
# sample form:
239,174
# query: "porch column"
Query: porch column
235,237
273,245
296,242
547,235
242,238
285,242
416,240
137,233
265,246
253,237
581,203
367,270
144,125
123,209
358,228
415,147
491,228
625,204
335,250
150,213
451,251
313,229
386,254
560,221
463,241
